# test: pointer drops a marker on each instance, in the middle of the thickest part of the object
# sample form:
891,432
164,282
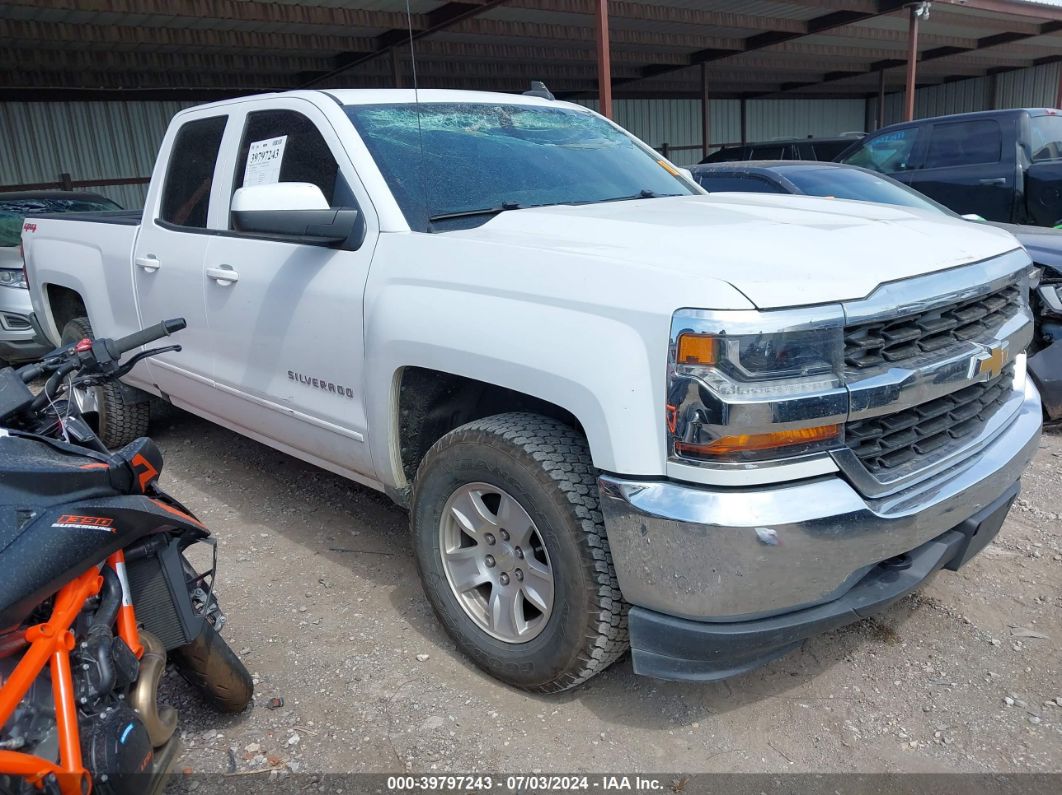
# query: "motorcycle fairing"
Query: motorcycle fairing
62,541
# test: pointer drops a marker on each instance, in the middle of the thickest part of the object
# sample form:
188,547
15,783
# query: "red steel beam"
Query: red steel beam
604,59
912,63
706,118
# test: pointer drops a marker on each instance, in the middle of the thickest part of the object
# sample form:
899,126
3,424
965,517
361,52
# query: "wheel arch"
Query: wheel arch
63,304
429,403
603,383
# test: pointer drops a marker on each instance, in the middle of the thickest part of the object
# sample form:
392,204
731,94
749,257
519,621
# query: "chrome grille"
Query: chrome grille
886,442
887,342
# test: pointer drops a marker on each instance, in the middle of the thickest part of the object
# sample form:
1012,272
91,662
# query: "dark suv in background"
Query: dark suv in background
1004,165
790,149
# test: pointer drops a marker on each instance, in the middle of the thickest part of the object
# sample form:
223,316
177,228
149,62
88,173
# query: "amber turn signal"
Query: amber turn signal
758,442
696,349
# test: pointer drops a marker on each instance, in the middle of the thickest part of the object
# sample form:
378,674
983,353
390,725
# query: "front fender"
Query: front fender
567,330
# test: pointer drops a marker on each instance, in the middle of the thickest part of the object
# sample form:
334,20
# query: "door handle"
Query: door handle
149,263
224,275
1000,181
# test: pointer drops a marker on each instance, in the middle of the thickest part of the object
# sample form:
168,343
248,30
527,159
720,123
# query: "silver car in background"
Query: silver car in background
19,340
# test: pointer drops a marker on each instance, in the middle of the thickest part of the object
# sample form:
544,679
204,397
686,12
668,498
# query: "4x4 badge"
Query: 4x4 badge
990,361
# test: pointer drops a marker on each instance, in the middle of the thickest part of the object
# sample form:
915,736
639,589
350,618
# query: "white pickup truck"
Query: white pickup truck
621,412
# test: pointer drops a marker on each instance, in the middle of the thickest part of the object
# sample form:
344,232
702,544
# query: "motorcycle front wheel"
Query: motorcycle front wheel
210,665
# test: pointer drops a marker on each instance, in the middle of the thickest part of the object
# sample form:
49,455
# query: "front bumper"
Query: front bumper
20,337
666,647
744,555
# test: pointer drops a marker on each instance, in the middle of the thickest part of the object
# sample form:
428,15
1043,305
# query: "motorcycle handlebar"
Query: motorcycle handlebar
145,336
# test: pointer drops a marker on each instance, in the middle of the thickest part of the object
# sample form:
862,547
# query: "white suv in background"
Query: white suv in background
19,341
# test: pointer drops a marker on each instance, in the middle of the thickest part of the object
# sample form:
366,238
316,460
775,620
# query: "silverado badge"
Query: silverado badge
990,361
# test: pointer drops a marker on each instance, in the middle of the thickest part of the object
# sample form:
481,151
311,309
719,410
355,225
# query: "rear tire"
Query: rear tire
117,421
567,621
210,665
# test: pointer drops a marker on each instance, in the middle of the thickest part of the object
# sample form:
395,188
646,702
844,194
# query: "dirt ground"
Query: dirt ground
324,605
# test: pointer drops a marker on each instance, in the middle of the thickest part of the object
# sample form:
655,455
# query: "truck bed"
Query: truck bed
91,254
119,217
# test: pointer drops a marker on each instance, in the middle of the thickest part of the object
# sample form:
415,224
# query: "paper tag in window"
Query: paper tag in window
263,161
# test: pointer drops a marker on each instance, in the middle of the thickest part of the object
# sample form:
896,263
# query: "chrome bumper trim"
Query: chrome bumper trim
726,555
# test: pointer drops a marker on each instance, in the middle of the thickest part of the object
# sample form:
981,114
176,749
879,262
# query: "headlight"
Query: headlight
10,277
754,386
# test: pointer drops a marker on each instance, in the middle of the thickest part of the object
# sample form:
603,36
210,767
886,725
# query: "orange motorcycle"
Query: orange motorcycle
96,592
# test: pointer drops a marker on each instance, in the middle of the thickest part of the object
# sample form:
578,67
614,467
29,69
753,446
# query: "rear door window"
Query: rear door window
769,152
964,143
190,173
728,154
888,153
828,150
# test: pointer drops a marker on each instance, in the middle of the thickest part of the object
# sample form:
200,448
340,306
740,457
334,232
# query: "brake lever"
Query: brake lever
113,373
133,360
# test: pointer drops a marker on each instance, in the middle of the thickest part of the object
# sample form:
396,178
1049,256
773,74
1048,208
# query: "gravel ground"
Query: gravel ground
325,607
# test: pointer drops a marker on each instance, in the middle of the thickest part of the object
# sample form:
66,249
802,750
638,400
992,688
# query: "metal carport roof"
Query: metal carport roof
78,49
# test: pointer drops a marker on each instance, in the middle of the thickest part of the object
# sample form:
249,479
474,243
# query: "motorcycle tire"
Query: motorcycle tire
210,665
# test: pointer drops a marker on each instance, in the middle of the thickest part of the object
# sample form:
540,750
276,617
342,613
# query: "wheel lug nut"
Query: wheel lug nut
489,561
519,574
489,539
519,553
504,578
505,535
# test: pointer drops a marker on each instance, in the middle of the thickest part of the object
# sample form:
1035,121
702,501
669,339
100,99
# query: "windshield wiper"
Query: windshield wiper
473,213
643,194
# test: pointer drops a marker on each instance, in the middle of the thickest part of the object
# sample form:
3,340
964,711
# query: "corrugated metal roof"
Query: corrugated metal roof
849,36
239,45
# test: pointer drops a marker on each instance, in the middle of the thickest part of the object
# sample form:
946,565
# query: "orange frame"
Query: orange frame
50,644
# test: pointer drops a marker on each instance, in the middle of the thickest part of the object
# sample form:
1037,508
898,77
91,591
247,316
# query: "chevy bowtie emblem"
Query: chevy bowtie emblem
990,362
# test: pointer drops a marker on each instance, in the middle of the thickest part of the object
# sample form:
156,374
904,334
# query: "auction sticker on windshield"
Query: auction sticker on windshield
263,161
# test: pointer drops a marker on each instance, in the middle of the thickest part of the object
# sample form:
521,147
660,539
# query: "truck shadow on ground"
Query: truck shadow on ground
363,532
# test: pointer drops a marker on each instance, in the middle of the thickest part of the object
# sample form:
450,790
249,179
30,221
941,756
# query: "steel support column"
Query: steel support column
604,60
396,68
744,121
912,62
706,118
881,100
1058,96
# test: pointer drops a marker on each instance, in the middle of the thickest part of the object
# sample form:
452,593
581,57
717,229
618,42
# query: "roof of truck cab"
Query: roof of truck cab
392,96
979,114
407,96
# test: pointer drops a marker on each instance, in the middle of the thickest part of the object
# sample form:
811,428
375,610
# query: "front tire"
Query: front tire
210,665
116,421
512,551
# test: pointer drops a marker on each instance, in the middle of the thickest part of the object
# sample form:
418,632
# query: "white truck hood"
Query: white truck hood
778,250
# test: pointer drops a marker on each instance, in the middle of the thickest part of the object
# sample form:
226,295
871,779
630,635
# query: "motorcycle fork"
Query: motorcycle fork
127,629
50,644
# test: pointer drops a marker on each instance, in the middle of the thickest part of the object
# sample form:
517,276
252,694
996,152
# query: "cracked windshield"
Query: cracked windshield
454,165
